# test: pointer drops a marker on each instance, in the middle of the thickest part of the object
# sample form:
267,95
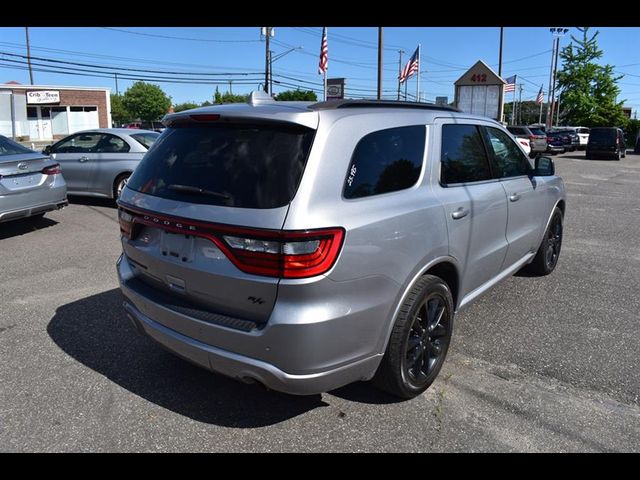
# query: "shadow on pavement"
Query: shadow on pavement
24,226
92,201
95,331
364,392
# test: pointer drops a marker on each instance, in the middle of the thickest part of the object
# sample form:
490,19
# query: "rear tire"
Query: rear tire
546,259
419,340
119,184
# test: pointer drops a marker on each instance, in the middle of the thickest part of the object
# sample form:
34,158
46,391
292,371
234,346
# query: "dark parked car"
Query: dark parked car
555,143
537,138
637,147
606,141
574,138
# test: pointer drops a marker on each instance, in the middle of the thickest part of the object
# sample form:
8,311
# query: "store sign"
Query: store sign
43,96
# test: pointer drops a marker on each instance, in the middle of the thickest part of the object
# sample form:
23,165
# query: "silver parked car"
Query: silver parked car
30,182
306,245
99,162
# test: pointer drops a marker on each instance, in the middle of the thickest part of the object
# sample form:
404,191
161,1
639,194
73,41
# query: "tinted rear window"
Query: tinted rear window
146,139
9,147
602,134
537,131
241,165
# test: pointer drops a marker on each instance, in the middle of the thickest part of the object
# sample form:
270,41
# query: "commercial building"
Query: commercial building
46,112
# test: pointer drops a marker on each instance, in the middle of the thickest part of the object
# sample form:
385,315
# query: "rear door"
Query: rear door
475,205
527,207
77,157
197,177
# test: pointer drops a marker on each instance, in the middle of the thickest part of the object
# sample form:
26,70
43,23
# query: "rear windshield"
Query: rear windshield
537,131
602,134
146,139
9,147
234,165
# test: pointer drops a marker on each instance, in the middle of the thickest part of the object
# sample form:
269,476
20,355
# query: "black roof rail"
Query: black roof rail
333,104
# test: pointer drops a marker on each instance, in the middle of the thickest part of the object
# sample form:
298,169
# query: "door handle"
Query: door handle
460,213
514,197
83,159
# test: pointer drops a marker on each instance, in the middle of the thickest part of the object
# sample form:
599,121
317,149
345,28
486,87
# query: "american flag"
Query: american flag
411,67
511,84
540,97
323,66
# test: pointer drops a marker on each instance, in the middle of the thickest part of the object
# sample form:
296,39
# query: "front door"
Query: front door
527,206
78,157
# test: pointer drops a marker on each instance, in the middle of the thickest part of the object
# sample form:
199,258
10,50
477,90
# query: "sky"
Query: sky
238,54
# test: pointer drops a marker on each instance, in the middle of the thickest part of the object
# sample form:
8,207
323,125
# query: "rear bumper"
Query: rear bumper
32,204
555,149
305,347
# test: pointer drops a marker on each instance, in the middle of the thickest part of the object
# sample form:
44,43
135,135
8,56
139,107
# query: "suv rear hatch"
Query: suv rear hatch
202,214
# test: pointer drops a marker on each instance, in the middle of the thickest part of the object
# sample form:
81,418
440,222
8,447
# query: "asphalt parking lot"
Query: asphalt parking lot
538,364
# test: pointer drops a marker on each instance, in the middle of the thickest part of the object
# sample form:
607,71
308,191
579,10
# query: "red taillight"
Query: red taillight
271,253
205,117
52,170
532,138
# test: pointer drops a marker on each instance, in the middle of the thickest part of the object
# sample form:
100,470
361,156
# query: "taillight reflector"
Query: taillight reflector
52,170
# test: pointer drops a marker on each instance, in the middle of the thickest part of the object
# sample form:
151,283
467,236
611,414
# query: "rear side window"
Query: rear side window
386,161
463,156
145,139
234,165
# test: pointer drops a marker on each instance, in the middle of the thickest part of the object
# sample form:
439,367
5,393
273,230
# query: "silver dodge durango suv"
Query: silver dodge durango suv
307,245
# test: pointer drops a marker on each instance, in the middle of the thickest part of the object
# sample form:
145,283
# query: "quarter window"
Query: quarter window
386,161
463,156
509,160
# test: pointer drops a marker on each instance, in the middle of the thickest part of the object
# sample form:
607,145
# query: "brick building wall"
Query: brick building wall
84,98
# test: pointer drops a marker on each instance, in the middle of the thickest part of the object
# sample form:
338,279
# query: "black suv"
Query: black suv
606,141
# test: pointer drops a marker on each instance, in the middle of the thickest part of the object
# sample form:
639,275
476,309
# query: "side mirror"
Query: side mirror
47,150
544,167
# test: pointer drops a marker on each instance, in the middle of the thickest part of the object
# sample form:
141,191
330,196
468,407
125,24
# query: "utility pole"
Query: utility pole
399,71
270,72
558,114
500,55
267,33
380,34
26,32
547,121
231,87
116,76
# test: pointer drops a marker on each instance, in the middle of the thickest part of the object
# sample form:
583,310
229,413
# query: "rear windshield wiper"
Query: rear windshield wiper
200,191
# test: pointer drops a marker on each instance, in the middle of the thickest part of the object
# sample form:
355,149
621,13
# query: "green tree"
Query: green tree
227,97
185,106
528,112
119,112
589,90
302,95
146,101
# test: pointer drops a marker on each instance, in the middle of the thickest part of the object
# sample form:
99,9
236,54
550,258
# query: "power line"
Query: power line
178,38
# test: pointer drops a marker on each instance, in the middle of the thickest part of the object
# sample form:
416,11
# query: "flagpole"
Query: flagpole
541,103
418,83
325,85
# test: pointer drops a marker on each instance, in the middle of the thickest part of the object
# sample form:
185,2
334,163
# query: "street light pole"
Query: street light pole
399,71
500,54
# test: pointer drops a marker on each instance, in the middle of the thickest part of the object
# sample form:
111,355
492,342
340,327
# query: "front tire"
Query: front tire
419,340
546,259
